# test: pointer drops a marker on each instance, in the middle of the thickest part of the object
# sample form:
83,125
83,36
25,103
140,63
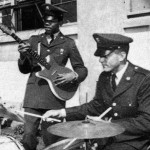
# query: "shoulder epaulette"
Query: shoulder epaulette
141,70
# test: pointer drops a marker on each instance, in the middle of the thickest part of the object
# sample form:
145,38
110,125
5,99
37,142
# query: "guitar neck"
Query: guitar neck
40,60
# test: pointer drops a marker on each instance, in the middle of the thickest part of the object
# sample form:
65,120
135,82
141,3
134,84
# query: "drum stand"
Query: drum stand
87,145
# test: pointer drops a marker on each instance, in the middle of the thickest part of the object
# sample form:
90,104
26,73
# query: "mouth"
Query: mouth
104,65
47,28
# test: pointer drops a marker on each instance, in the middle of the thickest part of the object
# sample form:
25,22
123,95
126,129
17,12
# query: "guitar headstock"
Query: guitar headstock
5,29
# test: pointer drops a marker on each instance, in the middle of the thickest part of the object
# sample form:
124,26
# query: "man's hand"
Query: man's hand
94,118
65,78
54,113
23,47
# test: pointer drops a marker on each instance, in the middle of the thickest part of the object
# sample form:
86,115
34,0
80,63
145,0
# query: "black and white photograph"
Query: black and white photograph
74,74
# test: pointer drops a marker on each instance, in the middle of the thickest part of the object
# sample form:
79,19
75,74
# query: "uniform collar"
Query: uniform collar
120,73
56,34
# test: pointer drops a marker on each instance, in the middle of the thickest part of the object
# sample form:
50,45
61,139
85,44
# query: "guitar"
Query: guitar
49,71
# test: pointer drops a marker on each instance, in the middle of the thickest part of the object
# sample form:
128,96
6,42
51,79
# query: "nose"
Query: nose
101,59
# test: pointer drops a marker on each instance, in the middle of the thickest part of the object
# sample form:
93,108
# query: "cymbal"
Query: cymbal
11,115
86,129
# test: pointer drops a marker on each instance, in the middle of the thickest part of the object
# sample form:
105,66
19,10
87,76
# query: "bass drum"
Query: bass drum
76,145
9,143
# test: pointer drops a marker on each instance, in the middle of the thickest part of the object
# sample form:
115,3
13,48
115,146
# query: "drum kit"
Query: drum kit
77,133
81,132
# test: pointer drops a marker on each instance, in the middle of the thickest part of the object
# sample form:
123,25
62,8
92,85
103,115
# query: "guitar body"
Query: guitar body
63,92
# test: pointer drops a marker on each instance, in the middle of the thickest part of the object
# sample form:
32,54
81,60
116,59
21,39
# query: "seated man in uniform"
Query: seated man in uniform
121,86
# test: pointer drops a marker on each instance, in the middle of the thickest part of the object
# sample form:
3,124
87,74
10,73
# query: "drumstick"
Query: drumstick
70,143
34,115
105,112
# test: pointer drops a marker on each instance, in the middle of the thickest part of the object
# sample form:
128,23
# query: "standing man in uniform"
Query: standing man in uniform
128,94
39,97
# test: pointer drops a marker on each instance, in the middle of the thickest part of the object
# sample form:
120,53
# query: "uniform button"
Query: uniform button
114,104
115,114
136,67
48,50
128,78
130,104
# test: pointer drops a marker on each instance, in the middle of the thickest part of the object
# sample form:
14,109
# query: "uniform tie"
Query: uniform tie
113,82
52,38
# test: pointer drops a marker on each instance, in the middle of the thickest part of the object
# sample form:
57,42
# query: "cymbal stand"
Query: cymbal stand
0,129
88,146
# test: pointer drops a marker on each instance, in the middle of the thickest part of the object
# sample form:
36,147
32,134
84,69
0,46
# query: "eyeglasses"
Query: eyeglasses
107,55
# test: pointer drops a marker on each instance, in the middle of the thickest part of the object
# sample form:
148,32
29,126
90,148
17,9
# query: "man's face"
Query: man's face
111,61
51,25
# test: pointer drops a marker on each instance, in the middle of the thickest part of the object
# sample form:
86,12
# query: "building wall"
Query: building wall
102,16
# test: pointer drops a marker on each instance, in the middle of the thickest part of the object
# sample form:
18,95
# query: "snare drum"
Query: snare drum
9,143
61,144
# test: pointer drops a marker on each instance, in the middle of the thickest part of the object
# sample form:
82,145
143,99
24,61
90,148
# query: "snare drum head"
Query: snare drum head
61,144
9,143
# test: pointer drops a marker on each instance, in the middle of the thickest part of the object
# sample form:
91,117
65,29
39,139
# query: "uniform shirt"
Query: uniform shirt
120,73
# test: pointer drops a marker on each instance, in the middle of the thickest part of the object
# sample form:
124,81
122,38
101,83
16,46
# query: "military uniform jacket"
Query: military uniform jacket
38,93
130,105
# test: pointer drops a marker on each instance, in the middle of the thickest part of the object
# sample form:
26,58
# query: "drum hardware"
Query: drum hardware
8,142
87,129
9,114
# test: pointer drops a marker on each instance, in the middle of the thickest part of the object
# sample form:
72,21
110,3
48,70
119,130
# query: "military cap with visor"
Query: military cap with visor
51,10
110,42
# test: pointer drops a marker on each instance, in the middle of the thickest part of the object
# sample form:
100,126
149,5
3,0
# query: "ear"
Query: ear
60,23
122,56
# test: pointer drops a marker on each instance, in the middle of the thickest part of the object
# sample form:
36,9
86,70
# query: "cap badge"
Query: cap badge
97,39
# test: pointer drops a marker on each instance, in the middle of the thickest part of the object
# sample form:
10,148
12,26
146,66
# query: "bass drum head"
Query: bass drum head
61,144
9,143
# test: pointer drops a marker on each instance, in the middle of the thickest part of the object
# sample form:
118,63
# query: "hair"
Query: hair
124,48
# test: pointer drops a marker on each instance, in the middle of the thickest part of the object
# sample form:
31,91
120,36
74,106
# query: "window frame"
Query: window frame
136,18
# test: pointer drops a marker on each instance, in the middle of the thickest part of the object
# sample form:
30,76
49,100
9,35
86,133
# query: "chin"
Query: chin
107,69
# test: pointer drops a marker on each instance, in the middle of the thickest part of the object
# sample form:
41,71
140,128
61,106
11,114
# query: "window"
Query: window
6,13
70,6
28,17
138,9
26,14
138,14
